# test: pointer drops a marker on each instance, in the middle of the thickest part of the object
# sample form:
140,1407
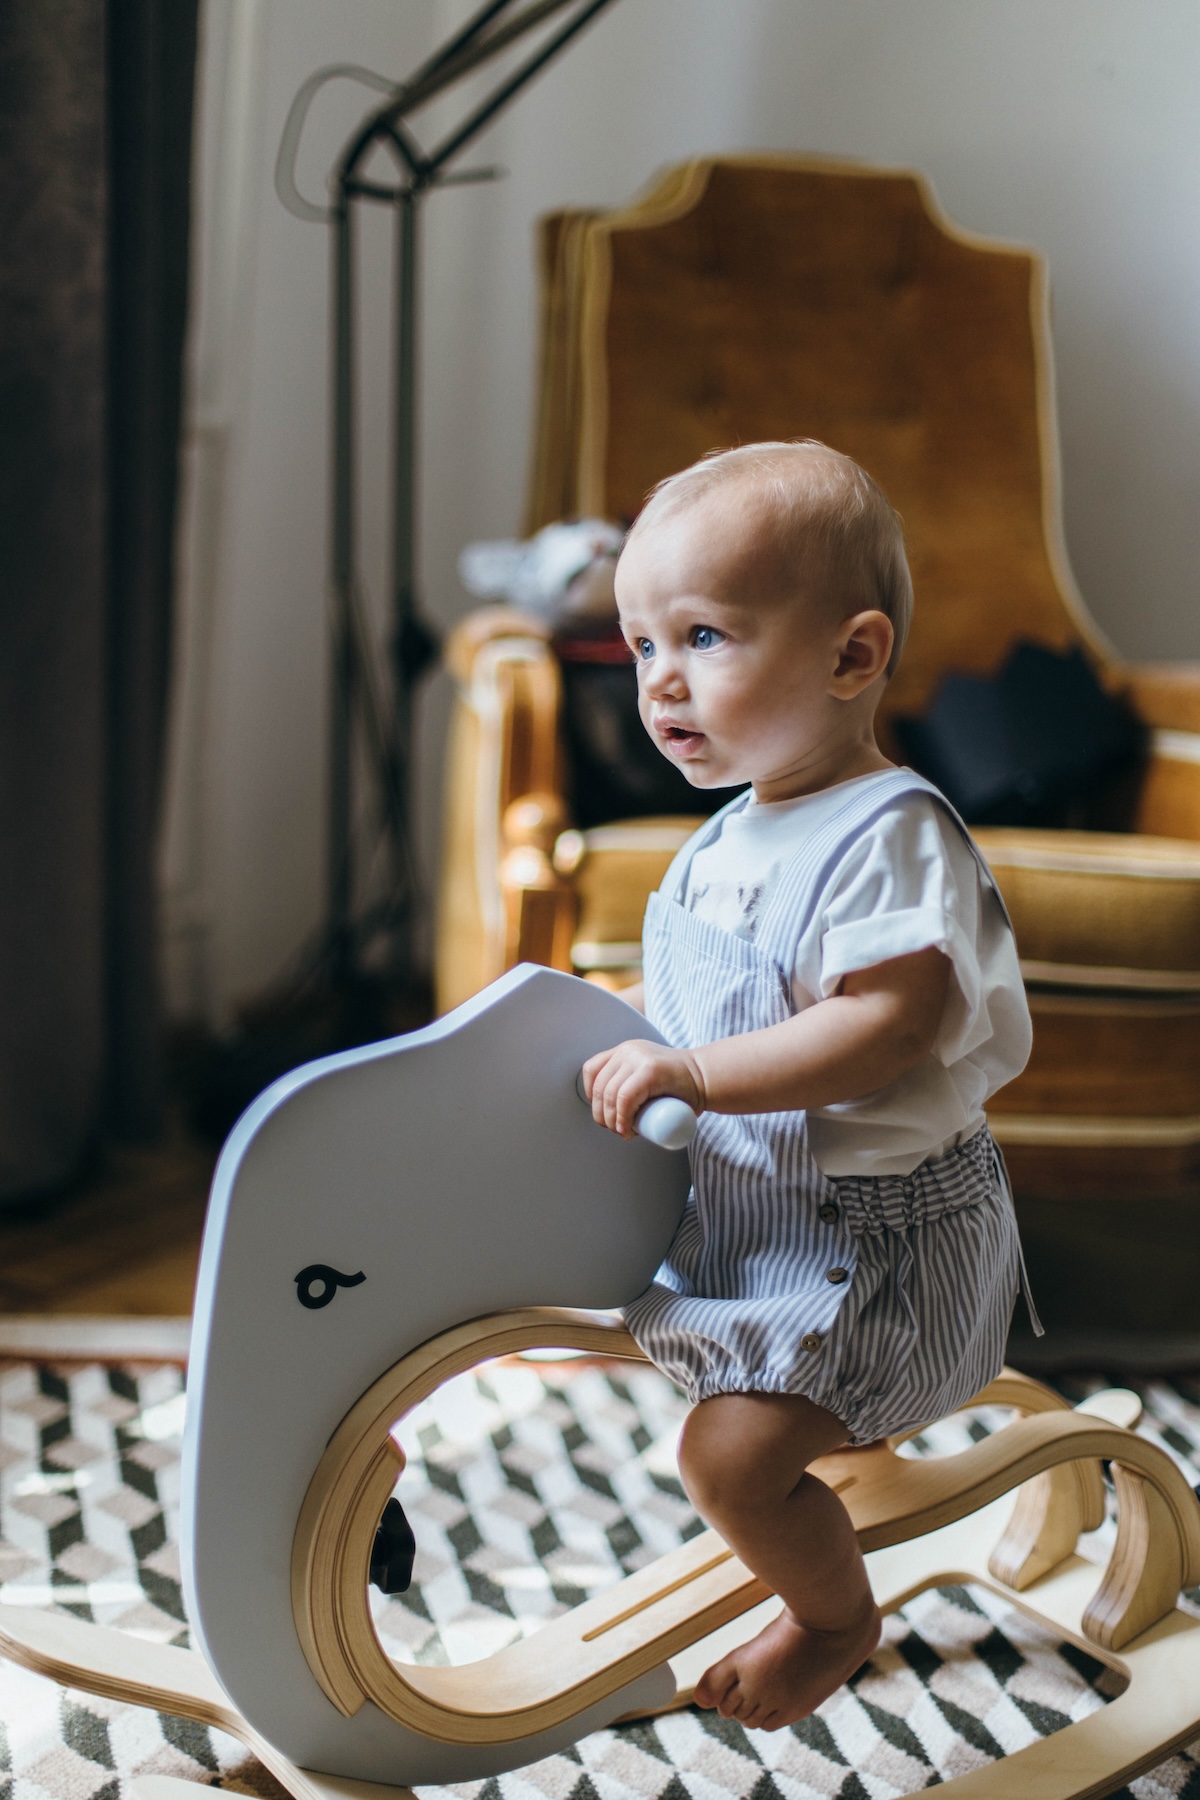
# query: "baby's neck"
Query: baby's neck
835,765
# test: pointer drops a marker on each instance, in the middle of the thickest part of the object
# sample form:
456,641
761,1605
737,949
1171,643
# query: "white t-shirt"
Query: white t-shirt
909,882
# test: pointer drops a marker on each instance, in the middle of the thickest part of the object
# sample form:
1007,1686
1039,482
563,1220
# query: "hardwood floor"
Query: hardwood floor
125,1243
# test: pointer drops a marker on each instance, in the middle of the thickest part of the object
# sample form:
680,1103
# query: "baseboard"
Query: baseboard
77,1337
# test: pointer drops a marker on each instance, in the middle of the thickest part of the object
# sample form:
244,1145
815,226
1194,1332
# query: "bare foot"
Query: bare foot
786,1671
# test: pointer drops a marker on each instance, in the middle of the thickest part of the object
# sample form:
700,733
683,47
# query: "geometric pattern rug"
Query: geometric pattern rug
530,1485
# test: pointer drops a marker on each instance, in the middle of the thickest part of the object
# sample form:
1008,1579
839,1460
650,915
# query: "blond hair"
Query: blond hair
827,508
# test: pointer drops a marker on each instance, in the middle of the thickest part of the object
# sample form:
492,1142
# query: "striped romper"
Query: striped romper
885,1299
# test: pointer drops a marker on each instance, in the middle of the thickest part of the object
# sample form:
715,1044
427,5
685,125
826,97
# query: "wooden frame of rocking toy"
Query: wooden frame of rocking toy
921,1522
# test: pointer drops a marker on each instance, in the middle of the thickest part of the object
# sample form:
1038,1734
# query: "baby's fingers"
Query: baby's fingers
621,1081
602,1078
591,1070
627,1096
608,1083
606,1102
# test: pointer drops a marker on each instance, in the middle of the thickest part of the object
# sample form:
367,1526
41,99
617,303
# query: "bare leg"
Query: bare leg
743,1459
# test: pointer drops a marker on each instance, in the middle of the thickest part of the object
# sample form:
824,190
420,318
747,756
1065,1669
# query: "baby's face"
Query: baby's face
734,676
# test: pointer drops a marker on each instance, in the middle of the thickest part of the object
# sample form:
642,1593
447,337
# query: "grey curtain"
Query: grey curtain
95,131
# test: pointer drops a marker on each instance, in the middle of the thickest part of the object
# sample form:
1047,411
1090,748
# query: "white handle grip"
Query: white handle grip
671,1124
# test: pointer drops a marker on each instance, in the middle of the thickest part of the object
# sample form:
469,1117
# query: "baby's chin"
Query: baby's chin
699,775
706,778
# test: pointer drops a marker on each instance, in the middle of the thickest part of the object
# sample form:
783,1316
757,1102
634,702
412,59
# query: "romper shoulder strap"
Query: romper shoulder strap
674,881
818,856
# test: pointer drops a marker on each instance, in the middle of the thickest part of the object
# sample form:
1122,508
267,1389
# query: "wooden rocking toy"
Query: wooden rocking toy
419,1206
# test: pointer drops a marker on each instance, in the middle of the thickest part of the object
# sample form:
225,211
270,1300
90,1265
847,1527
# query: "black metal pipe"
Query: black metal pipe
404,465
508,89
440,74
457,42
475,55
404,509
339,848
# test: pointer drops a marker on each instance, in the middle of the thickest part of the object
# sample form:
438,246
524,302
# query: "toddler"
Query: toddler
836,977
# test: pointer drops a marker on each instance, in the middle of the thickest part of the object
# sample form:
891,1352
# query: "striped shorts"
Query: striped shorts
922,1326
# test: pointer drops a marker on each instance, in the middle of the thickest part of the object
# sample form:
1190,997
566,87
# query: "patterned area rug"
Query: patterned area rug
530,1486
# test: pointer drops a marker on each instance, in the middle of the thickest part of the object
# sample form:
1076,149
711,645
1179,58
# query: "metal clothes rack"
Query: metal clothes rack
360,947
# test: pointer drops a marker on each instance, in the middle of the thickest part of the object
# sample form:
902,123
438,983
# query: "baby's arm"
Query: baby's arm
880,1024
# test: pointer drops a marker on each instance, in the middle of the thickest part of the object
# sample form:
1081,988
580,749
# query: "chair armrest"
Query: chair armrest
504,754
484,626
575,900
539,902
614,869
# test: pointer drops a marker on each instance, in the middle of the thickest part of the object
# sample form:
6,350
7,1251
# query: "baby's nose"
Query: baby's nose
663,676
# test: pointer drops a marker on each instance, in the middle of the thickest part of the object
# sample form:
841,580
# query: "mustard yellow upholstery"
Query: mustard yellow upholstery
1099,909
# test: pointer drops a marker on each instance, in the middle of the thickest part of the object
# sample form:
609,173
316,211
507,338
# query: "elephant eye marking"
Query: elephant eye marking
318,1283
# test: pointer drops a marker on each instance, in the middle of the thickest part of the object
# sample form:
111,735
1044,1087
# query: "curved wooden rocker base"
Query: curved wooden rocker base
648,1618
922,1523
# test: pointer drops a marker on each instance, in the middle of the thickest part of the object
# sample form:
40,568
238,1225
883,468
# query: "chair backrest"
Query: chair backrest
779,297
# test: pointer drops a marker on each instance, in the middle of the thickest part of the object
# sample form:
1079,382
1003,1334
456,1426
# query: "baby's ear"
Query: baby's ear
864,647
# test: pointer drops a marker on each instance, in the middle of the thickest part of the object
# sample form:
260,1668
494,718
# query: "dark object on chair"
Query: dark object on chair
1029,746
393,1551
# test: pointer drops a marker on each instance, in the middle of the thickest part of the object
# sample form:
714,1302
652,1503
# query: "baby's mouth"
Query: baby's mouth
680,741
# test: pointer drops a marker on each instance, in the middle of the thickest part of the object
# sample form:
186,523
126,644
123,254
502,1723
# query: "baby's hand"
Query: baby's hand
619,1082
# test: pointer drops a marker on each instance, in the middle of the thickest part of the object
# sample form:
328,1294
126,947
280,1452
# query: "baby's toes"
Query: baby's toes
714,1685
735,1703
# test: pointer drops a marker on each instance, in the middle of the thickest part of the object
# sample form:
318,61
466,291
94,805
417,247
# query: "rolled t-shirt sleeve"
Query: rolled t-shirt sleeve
910,883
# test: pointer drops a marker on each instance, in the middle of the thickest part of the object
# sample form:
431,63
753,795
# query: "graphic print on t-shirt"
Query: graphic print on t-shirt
726,898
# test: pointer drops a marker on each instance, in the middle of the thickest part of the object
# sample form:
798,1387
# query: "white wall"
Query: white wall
1066,124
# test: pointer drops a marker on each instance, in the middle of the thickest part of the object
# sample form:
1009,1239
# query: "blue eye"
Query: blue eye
643,648
706,637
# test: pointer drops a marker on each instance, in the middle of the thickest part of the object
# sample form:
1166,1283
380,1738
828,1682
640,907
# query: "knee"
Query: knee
721,1470
700,1463
742,1455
